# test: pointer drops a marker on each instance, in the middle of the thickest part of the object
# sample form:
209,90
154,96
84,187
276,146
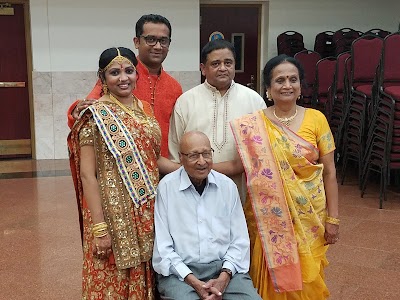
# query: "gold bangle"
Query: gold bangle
333,221
100,234
101,224
99,227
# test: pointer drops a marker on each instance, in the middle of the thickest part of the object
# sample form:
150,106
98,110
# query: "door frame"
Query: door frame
263,29
29,68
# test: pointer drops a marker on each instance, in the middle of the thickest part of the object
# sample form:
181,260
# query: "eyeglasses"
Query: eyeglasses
152,40
196,156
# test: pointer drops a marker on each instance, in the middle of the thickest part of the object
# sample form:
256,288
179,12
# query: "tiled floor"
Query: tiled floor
40,241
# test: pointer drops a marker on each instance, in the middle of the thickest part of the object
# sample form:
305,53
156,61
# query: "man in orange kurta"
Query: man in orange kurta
154,85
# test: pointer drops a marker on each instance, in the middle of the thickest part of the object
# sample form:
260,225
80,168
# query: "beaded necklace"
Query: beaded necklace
220,145
153,89
288,120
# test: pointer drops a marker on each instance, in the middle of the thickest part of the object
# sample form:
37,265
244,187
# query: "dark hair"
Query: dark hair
216,45
277,60
109,54
151,18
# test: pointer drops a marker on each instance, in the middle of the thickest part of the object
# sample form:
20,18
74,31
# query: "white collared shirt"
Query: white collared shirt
194,228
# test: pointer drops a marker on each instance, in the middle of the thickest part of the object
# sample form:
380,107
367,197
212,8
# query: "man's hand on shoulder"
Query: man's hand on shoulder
81,105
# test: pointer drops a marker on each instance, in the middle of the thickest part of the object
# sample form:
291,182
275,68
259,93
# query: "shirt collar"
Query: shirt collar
213,88
185,182
142,69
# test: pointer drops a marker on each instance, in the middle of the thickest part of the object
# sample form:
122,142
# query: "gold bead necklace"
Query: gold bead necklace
286,121
134,111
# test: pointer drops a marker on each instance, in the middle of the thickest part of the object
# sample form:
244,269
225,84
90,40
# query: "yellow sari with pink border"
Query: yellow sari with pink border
285,210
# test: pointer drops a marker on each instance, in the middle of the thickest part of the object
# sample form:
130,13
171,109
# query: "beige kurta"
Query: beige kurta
202,108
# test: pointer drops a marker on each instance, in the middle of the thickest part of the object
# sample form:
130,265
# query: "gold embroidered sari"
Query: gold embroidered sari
126,148
286,209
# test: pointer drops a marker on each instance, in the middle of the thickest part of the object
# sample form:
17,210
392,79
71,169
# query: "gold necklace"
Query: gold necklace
134,111
286,121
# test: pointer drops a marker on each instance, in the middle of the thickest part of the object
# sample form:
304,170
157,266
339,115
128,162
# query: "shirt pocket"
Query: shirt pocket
221,229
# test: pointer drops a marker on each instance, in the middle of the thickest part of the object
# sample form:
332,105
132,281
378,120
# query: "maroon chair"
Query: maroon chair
324,45
325,71
383,140
308,60
390,61
365,56
378,32
290,42
338,96
343,38
340,139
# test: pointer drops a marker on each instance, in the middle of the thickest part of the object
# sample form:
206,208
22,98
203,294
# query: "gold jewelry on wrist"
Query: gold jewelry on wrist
333,221
100,229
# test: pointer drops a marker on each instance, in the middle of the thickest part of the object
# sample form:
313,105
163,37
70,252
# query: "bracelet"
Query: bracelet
100,229
333,221
228,271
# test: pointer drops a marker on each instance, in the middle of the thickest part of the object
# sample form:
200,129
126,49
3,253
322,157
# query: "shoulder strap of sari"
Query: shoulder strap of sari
122,145
268,201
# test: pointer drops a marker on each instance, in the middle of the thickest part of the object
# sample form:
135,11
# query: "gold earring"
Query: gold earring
268,98
105,89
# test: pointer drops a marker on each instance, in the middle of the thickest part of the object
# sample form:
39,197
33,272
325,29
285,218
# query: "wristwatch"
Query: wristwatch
226,270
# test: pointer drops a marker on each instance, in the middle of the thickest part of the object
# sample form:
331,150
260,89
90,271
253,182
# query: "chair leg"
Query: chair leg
383,192
364,183
344,166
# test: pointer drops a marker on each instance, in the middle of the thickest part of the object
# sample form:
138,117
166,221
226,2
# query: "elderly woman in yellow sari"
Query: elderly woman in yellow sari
287,152
115,162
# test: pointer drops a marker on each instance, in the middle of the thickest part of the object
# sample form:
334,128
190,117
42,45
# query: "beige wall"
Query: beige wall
69,35
67,39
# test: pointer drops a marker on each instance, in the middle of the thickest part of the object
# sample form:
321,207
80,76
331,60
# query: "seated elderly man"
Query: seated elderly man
201,248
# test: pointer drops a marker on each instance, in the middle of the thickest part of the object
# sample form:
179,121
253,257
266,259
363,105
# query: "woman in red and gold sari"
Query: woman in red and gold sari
115,160
287,152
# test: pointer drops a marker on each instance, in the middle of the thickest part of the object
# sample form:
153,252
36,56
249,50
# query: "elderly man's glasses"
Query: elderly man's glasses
152,40
196,156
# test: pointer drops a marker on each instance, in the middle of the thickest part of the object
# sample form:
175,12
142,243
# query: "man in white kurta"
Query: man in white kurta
209,107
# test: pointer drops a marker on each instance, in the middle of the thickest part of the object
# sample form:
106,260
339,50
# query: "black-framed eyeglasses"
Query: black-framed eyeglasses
152,40
194,156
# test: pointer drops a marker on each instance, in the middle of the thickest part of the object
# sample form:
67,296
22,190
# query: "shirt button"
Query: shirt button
200,221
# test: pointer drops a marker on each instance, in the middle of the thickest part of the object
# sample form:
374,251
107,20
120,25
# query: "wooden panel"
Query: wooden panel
15,147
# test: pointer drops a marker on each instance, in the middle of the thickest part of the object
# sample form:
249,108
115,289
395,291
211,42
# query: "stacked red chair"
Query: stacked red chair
343,38
324,44
378,32
290,42
365,56
325,71
308,60
382,153
339,96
